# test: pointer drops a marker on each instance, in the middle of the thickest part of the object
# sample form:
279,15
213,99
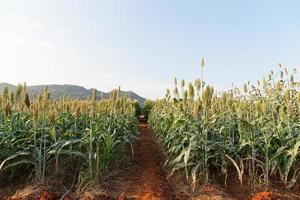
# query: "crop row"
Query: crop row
253,133
43,138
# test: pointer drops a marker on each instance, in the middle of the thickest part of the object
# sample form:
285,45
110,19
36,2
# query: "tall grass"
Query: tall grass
255,132
40,134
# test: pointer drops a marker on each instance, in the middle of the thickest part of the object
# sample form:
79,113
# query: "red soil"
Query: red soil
262,196
146,179
97,196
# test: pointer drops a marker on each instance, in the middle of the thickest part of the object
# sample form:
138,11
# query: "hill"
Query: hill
56,91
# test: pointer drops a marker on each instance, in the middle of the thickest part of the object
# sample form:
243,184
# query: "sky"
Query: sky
142,45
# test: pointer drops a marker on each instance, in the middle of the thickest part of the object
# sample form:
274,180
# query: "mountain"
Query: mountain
74,91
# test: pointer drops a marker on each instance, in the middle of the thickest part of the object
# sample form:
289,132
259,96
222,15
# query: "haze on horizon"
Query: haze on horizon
142,45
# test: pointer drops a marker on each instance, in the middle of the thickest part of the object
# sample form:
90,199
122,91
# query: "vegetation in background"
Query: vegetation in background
147,108
73,91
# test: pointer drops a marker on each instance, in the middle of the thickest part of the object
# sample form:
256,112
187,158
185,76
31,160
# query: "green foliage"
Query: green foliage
255,132
40,133
147,108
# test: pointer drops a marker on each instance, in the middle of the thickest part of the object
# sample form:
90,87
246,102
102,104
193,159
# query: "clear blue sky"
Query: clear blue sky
142,45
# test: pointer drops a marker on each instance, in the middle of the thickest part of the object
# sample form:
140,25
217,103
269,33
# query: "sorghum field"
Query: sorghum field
199,144
250,134
45,140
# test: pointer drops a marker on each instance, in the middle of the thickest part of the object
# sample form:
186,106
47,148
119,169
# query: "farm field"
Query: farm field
149,100
198,145
251,134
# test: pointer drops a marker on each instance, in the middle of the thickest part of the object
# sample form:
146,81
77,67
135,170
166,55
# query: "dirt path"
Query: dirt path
146,179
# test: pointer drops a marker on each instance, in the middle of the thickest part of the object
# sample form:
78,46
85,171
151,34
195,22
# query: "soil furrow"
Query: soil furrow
146,178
